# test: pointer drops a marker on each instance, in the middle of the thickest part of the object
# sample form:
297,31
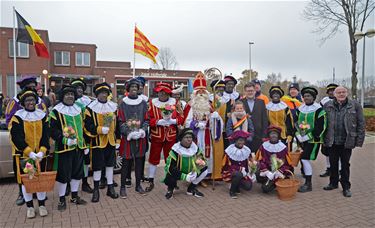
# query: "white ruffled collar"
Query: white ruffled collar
72,110
30,116
309,108
238,154
129,101
228,96
158,104
276,106
102,108
274,148
325,100
85,100
187,152
144,97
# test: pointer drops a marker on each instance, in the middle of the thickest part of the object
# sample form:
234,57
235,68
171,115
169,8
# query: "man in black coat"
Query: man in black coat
257,110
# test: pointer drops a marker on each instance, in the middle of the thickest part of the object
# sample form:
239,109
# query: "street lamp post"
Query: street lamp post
250,71
358,36
45,72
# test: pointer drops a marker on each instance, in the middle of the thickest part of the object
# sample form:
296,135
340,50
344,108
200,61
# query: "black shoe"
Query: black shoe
169,194
140,190
103,183
150,187
238,192
95,195
269,186
61,206
67,191
34,196
330,187
194,192
302,172
87,188
128,183
77,200
347,193
233,195
20,200
326,173
143,179
123,193
305,188
111,192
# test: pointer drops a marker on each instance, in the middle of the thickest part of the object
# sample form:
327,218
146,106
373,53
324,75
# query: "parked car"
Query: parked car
6,160
369,102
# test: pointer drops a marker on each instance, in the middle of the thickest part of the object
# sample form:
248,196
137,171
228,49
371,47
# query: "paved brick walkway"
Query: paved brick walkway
252,209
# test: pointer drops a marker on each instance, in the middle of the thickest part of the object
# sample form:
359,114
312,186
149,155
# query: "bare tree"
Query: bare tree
166,59
330,15
246,78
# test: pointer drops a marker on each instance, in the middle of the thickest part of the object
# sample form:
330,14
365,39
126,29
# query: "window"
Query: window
10,85
22,49
82,59
62,58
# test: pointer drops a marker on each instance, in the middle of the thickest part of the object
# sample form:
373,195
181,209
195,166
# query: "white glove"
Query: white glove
278,174
267,174
40,155
86,151
191,176
167,117
131,135
162,122
136,135
105,130
172,121
142,132
117,146
33,156
253,178
305,138
71,142
215,115
243,171
302,138
201,125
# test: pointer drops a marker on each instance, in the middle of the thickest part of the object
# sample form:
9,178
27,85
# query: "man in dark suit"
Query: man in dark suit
257,110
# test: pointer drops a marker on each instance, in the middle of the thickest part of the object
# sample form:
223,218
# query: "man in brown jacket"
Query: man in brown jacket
345,131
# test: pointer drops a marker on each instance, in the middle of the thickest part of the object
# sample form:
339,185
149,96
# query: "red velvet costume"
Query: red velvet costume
162,137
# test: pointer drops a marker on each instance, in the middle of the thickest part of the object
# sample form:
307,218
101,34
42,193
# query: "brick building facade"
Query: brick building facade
72,60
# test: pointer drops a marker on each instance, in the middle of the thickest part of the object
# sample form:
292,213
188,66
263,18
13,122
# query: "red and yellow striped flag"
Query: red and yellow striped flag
143,46
26,34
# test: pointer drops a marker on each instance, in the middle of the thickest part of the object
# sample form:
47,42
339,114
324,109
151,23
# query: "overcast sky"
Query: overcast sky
200,34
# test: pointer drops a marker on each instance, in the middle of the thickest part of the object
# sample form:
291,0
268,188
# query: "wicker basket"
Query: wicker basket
295,157
41,182
287,188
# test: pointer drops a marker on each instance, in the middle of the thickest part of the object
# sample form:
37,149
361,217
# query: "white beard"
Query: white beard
201,106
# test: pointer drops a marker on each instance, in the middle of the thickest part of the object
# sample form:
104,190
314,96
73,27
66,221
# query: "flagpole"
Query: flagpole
134,52
14,52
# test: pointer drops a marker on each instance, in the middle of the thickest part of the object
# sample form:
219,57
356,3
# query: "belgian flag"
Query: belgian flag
26,34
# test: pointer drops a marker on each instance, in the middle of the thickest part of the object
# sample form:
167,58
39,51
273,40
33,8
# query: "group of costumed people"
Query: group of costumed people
220,136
